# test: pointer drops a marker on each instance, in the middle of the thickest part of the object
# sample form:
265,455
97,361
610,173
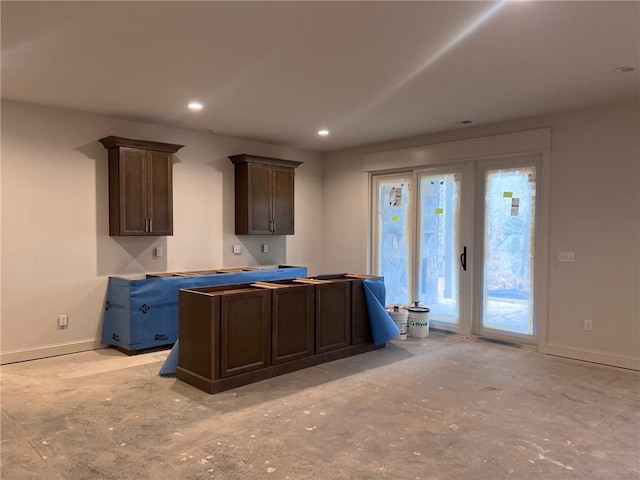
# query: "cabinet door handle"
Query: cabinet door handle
274,227
146,224
151,225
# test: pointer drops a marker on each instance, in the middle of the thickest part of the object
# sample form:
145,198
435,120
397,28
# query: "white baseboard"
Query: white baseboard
595,356
24,354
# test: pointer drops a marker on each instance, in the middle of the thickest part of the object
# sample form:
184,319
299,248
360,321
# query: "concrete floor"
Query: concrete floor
435,408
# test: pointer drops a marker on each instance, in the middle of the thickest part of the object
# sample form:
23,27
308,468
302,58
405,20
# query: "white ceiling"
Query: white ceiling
279,71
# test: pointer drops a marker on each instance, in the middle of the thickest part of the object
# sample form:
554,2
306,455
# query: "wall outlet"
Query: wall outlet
265,248
158,252
63,321
588,325
237,249
566,257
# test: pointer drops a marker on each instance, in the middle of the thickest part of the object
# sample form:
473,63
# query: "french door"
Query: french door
461,240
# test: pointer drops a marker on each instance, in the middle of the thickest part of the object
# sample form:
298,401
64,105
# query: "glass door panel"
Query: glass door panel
439,245
507,297
394,227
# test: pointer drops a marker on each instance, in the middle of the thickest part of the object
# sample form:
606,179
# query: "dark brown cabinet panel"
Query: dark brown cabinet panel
245,332
127,204
264,195
333,315
293,322
283,203
201,333
140,186
258,197
361,325
160,193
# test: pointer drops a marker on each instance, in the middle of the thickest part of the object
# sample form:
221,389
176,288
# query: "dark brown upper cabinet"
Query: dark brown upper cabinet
264,195
140,186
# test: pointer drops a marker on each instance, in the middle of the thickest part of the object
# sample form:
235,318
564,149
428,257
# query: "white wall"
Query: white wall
56,251
594,211
56,254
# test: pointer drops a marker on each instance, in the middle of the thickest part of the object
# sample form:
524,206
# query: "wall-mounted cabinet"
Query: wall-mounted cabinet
264,195
140,186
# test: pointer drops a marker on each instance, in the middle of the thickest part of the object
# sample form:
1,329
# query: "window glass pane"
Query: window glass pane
439,245
509,223
394,199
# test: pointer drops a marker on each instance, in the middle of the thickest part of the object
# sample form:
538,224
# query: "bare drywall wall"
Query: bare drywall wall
56,250
594,212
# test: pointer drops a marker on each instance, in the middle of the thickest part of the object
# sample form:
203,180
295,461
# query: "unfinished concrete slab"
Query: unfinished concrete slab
442,407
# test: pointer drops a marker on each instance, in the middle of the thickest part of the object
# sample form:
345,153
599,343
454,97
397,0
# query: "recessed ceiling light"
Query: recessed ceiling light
195,106
324,132
624,69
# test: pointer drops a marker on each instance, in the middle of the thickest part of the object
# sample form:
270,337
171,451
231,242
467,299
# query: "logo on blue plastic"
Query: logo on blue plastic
108,306
158,306
115,337
160,337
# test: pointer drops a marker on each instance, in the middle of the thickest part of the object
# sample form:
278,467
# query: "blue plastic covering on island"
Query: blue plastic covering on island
143,313
383,328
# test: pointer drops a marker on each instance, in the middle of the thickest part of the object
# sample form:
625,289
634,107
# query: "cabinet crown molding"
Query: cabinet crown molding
245,158
112,141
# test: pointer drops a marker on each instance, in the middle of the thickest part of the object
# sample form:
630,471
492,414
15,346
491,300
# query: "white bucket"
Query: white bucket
400,317
418,321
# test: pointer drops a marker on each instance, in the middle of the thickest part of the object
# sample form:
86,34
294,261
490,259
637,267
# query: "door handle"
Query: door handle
463,258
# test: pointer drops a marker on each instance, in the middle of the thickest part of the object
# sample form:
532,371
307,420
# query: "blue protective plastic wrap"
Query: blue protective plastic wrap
383,328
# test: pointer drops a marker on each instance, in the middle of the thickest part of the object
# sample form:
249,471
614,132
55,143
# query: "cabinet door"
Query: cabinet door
333,316
283,201
292,323
259,199
245,332
131,200
159,196
360,324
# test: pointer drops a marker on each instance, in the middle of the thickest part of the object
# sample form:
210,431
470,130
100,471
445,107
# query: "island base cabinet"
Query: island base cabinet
235,335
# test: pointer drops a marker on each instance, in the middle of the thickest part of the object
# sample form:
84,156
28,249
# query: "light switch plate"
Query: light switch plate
237,249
